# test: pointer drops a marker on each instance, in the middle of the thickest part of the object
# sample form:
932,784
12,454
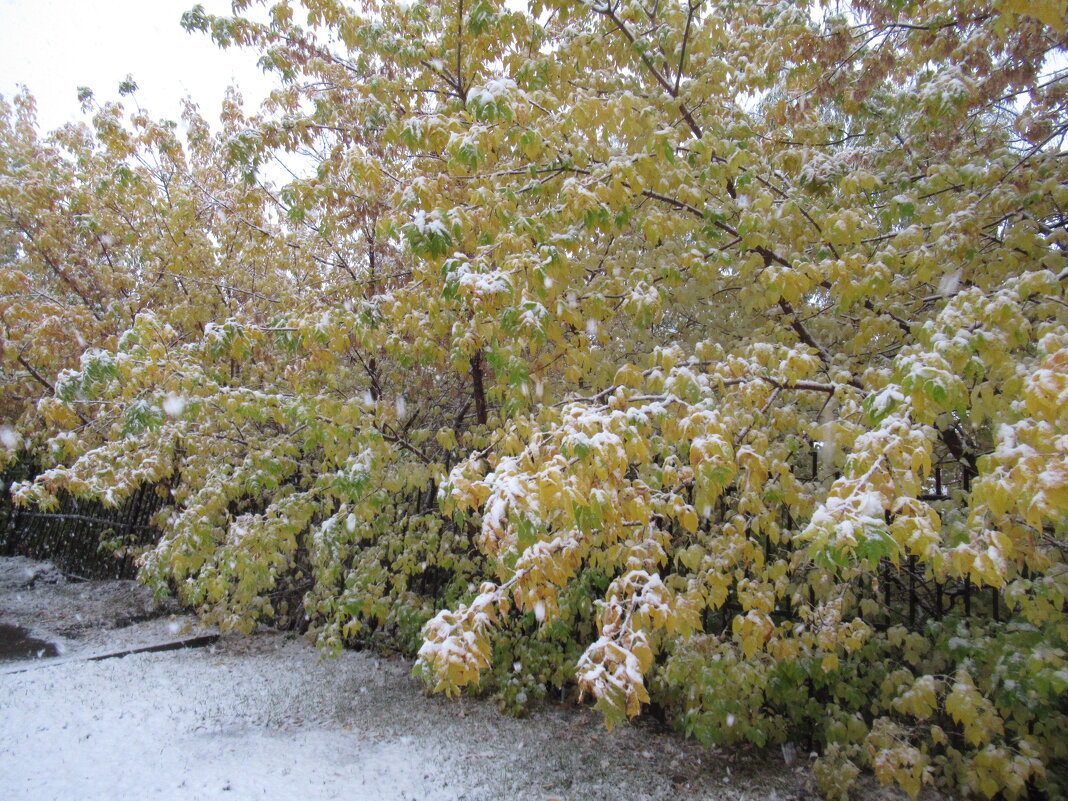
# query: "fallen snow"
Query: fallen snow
266,717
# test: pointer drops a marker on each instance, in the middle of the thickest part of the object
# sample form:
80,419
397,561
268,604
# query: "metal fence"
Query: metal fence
88,539
82,538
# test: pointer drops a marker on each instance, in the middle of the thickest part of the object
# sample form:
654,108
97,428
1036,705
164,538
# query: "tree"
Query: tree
709,350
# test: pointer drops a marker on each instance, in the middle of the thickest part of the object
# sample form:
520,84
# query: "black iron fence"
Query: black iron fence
82,538
89,539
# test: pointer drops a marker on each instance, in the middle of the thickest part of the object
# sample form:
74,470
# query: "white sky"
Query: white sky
55,46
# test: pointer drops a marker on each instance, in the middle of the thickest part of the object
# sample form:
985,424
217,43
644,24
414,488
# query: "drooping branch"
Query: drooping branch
802,332
44,382
40,379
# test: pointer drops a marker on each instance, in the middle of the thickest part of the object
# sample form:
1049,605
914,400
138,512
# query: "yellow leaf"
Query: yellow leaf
1049,12
688,519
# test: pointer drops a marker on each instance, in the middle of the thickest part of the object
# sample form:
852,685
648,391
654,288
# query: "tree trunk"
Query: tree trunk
478,387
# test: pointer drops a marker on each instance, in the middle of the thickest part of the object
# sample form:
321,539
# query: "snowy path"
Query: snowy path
266,717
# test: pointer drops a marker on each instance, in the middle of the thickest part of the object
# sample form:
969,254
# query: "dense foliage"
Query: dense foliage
709,354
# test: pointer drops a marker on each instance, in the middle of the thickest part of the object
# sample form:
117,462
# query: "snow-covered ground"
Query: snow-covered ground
266,717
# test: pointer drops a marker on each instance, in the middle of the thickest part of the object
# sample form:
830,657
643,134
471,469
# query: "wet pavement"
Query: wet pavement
16,643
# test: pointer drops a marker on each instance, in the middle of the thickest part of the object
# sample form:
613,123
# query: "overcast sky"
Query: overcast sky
55,46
